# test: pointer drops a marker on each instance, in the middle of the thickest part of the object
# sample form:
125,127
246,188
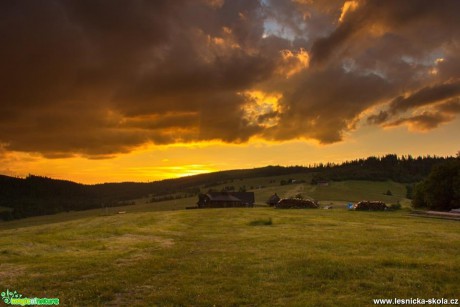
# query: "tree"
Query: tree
418,200
441,190
410,191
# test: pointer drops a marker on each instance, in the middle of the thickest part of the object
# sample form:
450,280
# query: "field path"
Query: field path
296,189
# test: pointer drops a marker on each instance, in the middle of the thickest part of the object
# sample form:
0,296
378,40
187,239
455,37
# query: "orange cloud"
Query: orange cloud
293,62
348,6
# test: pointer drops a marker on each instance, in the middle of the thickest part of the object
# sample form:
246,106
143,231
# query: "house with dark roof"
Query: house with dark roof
226,200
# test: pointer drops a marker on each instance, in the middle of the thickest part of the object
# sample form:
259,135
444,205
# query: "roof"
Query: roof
222,197
246,197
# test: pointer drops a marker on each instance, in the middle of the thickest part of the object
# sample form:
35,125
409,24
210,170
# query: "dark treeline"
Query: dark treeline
404,169
39,196
36,195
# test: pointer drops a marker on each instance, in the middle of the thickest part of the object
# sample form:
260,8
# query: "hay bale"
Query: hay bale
366,205
296,203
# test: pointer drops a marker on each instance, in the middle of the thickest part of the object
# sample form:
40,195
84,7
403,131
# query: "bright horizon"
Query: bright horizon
184,160
144,92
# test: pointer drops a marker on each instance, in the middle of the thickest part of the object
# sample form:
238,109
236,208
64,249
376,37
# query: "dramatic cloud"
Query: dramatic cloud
422,122
97,78
451,107
425,96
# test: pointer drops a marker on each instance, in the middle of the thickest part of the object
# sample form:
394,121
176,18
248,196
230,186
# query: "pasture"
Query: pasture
156,254
220,256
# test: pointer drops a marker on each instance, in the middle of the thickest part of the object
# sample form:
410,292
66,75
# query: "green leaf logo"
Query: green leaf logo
8,295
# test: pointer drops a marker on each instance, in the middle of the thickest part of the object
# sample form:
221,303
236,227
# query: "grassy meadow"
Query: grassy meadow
156,254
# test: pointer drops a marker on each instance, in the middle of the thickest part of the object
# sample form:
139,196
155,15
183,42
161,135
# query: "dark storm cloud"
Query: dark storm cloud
433,22
325,103
102,77
425,121
425,96
441,113
379,118
450,107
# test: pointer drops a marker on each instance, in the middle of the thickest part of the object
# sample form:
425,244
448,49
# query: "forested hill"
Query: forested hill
37,195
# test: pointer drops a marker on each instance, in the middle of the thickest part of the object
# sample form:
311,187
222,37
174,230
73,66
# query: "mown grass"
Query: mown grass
216,257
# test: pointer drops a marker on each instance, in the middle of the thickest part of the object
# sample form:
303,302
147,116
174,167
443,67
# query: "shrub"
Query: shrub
396,206
261,222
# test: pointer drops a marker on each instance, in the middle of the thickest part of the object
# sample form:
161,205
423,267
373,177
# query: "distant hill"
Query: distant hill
36,195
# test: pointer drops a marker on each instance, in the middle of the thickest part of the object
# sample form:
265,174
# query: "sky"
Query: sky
115,90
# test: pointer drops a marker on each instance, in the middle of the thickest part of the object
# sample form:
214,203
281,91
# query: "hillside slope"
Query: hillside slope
36,195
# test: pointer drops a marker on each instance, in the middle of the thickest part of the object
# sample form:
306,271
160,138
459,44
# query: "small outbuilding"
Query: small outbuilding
273,200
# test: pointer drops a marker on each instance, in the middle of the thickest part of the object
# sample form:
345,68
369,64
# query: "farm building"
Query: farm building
273,200
226,199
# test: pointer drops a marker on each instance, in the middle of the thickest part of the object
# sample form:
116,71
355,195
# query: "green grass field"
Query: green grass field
220,256
156,254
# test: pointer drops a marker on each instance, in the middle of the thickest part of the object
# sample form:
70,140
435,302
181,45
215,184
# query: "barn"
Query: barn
226,200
